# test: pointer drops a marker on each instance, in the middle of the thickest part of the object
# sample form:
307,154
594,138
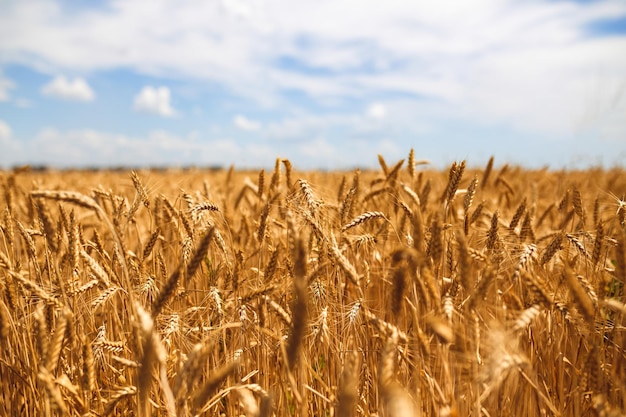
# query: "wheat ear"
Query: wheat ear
365,217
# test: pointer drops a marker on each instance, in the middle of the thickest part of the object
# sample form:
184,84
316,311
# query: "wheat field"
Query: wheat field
401,291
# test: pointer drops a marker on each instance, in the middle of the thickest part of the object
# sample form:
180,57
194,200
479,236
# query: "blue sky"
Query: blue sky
328,84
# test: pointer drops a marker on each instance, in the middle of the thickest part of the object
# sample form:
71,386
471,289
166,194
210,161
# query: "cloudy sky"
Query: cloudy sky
325,83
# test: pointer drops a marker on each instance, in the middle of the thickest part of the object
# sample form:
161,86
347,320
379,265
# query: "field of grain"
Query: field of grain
403,291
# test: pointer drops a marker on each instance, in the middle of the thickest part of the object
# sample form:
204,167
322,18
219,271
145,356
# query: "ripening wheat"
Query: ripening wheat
403,291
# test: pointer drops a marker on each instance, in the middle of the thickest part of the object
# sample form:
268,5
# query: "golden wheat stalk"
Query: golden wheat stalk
299,308
218,376
580,296
363,218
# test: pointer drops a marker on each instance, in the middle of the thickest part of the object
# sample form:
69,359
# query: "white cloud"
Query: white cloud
90,147
23,103
94,148
393,118
526,65
377,111
318,148
246,124
11,146
73,90
5,86
154,100
5,131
